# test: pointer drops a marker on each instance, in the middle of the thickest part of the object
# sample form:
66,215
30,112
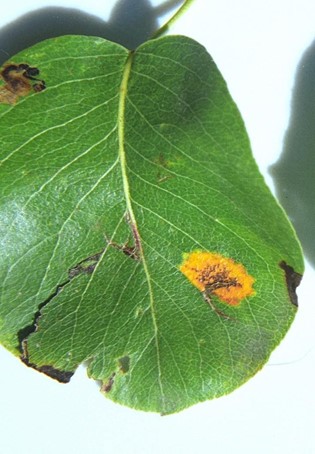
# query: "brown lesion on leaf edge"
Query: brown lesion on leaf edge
123,367
23,335
293,280
107,386
61,376
85,266
19,81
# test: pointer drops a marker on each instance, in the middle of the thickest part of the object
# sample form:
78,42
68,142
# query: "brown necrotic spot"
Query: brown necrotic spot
19,81
86,266
293,280
132,251
107,386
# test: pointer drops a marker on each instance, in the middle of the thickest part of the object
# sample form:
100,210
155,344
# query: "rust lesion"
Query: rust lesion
214,278
216,275
20,79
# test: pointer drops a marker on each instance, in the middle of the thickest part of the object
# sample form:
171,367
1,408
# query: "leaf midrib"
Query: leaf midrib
126,188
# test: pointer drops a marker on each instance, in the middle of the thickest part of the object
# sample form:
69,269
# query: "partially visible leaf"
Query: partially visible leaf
124,164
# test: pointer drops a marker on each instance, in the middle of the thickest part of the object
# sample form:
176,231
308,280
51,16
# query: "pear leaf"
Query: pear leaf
137,234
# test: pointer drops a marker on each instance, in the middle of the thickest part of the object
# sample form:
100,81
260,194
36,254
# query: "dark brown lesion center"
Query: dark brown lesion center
18,78
214,278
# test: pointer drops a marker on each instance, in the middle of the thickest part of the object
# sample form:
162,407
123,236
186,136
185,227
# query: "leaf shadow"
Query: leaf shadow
294,172
131,23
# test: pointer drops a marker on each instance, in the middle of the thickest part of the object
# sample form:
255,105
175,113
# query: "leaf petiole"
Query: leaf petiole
181,10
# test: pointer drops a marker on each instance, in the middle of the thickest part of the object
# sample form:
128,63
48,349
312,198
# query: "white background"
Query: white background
258,46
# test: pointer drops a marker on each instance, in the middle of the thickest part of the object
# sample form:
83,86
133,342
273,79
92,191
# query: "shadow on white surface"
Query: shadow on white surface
294,173
131,23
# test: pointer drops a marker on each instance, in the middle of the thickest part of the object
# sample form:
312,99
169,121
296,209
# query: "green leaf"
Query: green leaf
128,170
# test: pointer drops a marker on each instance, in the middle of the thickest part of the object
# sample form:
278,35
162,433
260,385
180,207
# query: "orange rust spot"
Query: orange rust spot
216,275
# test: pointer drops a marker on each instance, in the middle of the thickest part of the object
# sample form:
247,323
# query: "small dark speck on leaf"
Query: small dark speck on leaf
293,280
107,386
124,364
